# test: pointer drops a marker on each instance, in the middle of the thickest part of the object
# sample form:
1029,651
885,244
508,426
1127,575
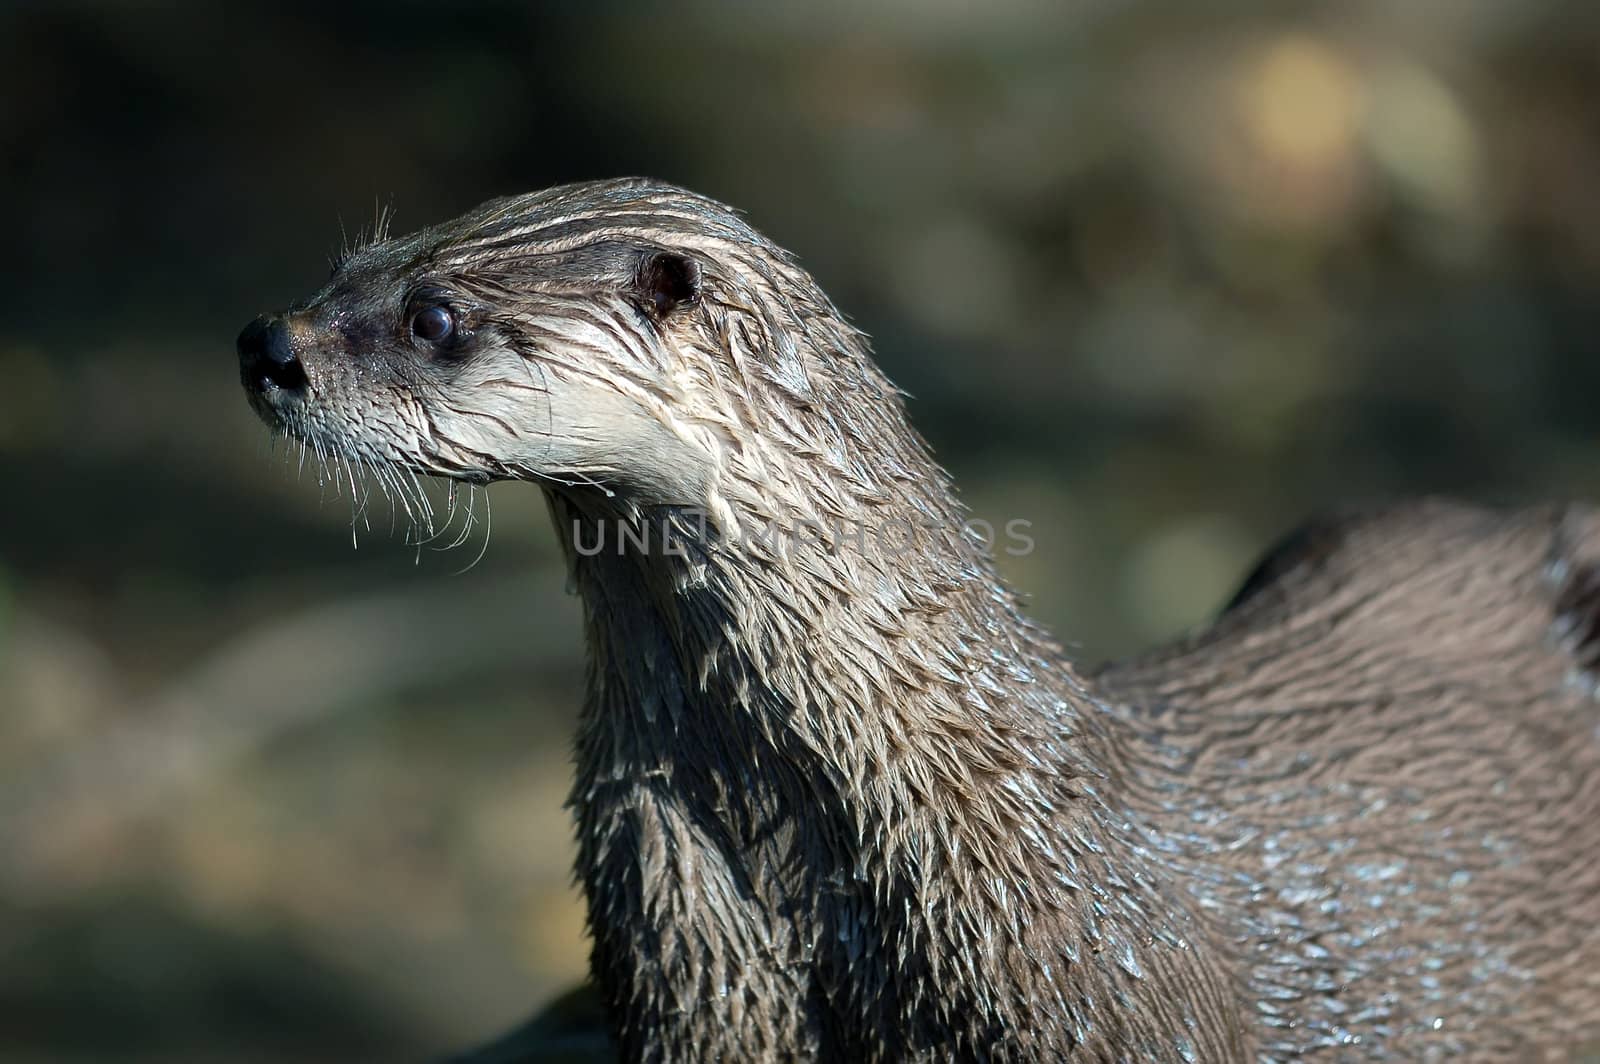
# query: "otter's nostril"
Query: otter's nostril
266,356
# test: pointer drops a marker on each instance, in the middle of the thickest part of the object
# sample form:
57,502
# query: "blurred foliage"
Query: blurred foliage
1162,278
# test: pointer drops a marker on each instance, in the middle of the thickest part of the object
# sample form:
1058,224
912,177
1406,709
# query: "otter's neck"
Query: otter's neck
838,800
886,659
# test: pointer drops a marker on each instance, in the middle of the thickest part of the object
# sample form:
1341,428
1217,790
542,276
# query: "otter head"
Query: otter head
626,336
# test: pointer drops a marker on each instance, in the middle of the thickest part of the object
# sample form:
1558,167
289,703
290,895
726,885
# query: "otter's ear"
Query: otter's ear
666,281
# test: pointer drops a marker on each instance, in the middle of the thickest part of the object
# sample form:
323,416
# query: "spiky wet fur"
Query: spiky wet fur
840,802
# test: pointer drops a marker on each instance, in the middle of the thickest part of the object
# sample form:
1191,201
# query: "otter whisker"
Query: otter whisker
319,468
380,473
360,494
425,504
488,530
444,526
451,496
394,489
418,512
571,478
400,501
469,520
324,470
373,472
437,530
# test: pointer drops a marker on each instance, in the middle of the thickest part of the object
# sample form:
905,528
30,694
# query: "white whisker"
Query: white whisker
488,530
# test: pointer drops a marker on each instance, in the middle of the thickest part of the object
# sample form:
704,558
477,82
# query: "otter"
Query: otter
838,798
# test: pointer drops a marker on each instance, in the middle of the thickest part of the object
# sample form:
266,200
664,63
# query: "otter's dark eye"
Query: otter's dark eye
433,324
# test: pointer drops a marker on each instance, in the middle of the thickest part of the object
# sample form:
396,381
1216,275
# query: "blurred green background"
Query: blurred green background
1162,278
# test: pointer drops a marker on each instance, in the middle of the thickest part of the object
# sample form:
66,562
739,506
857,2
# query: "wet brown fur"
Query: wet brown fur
841,802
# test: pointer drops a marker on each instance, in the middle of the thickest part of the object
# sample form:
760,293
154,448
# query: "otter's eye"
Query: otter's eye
433,324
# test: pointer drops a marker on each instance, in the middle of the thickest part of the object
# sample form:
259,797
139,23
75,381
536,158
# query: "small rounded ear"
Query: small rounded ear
666,281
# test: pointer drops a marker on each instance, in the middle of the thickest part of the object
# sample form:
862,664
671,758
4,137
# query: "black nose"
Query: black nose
265,356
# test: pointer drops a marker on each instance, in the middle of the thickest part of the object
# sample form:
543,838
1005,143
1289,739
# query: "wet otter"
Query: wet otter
845,802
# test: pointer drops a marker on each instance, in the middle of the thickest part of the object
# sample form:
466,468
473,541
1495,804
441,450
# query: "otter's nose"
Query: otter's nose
266,357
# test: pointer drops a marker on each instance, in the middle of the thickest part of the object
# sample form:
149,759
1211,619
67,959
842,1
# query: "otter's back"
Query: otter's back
1381,769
